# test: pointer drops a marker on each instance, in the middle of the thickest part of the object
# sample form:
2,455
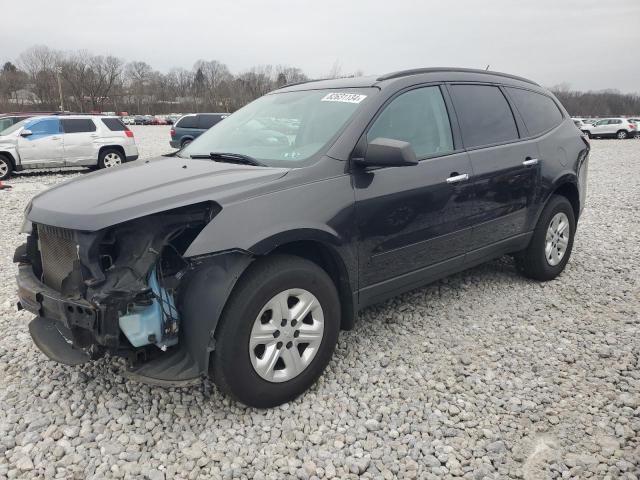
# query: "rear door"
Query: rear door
81,141
44,145
412,220
506,169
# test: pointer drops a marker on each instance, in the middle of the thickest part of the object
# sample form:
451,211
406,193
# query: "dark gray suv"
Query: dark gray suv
192,126
242,256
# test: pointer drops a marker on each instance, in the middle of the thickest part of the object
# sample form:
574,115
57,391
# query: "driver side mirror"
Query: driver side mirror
387,152
26,133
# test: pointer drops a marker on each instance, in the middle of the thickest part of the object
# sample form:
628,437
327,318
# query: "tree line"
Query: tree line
44,79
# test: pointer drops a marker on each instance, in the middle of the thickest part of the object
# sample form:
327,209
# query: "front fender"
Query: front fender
12,151
321,211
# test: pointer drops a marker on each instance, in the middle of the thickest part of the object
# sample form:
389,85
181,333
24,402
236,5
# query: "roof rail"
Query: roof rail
302,82
417,71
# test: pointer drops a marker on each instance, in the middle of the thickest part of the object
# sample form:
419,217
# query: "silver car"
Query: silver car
65,141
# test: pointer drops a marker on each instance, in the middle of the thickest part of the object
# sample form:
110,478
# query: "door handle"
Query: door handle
455,178
530,161
55,138
94,135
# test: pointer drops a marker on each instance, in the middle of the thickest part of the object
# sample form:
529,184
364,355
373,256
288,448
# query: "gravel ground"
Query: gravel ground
484,375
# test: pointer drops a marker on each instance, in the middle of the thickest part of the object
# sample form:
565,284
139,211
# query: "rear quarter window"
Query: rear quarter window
114,124
190,121
208,121
484,115
539,112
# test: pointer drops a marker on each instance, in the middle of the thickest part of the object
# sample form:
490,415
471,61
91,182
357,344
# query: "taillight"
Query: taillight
633,125
128,133
172,132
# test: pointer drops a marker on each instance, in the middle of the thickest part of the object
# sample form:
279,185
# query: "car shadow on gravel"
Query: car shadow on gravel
42,173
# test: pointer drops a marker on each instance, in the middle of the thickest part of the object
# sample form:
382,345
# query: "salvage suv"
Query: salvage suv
65,141
243,255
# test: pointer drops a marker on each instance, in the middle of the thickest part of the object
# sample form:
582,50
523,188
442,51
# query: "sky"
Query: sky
587,44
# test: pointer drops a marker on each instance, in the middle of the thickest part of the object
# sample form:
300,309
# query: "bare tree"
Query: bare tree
40,63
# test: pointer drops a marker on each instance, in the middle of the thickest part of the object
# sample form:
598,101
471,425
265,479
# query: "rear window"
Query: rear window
484,115
208,121
114,124
539,112
190,121
78,125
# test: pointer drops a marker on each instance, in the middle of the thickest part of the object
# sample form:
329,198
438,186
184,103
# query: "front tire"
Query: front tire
277,332
550,247
6,167
110,158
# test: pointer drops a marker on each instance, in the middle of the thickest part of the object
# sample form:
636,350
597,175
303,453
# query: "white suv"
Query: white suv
611,127
65,141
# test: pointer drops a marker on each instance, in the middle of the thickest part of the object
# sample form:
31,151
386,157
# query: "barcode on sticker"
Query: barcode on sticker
344,97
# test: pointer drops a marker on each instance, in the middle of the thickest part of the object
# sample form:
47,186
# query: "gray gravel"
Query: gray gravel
483,375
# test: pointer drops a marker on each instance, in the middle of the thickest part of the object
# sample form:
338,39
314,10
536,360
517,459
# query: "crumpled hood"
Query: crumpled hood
101,199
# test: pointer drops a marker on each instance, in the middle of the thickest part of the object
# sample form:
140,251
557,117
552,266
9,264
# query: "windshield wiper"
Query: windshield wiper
232,158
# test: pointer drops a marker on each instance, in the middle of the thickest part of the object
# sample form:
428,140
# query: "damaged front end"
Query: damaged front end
116,291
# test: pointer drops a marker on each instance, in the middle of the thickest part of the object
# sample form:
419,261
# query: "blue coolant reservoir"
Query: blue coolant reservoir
155,323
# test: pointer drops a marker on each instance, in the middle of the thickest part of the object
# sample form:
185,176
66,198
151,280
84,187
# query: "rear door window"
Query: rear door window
78,125
484,115
539,112
419,117
208,121
114,124
190,121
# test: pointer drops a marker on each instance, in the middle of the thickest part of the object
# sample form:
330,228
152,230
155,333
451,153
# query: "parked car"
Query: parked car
158,120
636,120
65,141
243,255
9,119
128,120
620,128
192,126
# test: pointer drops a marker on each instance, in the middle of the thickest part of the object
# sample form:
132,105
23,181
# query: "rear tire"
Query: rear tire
256,369
110,158
549,251
185,143
6,167
622,134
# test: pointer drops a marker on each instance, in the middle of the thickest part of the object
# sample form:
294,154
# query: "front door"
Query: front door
411,218
44,145
506,170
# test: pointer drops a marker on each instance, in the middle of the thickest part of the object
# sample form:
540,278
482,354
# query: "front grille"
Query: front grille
58,251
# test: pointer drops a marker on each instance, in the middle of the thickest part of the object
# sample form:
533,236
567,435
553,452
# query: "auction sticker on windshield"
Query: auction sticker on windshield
344,97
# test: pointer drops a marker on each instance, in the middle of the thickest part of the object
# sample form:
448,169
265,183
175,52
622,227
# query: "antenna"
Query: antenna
487,67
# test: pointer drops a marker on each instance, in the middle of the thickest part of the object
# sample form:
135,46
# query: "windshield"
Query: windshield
13,128
282,129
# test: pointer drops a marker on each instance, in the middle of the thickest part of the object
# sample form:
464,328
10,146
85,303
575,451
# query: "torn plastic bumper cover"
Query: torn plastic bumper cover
128,290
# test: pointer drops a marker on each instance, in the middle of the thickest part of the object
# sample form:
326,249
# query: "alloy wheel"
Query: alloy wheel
112,159
622,135
557,239
286,335
4,168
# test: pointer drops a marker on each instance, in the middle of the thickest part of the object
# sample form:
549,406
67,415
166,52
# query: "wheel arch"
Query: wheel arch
327,258
119,148
567,186
9,156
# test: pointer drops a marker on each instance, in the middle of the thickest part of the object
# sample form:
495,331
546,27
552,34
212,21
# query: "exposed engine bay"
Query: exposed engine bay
116,290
